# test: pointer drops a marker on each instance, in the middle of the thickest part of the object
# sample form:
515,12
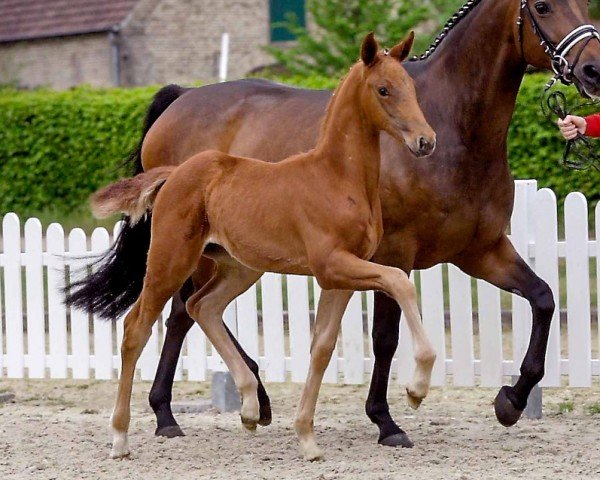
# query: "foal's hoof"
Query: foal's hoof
397,440
249,424
116,455
120,445
506,413
171,431
265,415
312,453
413,400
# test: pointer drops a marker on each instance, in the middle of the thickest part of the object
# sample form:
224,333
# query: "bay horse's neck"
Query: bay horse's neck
474,76
349,142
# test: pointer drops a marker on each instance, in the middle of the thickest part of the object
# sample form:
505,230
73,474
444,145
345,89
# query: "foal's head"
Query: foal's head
389,98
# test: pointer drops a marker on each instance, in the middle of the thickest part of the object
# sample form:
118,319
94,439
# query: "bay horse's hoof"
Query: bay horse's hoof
171,431
506,413
265,415
397,440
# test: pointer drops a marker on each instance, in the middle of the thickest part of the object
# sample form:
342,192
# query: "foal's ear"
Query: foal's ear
369,49
402,50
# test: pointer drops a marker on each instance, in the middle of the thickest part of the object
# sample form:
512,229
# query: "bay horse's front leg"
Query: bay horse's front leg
386,325
502,266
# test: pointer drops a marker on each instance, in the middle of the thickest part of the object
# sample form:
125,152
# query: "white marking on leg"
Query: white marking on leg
120,445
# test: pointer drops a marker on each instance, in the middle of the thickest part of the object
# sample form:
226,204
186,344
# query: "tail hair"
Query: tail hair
161,101
132,196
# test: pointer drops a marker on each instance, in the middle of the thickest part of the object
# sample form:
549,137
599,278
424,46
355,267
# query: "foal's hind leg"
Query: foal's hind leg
206,307
137,330
171,260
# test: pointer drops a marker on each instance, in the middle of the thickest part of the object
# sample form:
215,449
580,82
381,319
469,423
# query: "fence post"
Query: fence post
225,396
522,228
11,231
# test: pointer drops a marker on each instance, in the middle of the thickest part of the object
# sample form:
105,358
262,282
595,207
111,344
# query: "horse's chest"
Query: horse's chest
430,224
362,230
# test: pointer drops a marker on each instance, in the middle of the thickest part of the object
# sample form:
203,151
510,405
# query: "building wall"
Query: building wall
179,41
58,63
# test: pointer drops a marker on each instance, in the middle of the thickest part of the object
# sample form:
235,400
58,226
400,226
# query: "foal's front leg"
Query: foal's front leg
346,271
332,305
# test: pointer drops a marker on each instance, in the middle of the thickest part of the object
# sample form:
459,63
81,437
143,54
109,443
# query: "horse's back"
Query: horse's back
237,117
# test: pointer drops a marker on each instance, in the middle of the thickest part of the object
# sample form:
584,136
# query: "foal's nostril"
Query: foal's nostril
591,71
425,146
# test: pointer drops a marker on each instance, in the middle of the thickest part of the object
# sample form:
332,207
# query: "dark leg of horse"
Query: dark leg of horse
178,325
503,267
386,324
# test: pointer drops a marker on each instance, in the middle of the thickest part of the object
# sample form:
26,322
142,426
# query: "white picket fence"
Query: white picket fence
40,338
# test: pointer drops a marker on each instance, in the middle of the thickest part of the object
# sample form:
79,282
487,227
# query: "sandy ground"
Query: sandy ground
58,430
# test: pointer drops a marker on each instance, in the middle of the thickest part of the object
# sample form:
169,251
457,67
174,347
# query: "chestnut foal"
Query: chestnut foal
316,213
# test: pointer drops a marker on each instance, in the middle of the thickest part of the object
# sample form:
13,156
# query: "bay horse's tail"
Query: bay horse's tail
118,278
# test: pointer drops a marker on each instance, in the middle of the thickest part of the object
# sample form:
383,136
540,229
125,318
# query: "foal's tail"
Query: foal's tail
132,196
117,280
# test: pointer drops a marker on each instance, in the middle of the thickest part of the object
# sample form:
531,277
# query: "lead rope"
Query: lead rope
580,153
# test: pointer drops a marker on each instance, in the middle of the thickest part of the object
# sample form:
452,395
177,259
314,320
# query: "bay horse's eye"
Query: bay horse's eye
542,8
384,92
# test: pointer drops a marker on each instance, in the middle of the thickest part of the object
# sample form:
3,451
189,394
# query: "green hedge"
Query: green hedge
56,148
536,148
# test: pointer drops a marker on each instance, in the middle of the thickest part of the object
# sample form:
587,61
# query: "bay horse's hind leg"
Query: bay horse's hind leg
178,325
206,307
502,266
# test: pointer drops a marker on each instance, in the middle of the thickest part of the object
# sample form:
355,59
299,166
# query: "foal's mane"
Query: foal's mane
333,100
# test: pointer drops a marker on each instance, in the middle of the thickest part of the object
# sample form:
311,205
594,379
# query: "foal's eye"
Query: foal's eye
384,92
542,8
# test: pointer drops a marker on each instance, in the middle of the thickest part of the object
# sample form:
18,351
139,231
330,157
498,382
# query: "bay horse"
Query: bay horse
453,207
316,213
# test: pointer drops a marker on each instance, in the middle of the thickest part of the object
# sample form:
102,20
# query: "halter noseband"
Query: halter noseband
561,67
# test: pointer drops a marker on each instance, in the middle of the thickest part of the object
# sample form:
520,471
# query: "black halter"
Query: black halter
563,70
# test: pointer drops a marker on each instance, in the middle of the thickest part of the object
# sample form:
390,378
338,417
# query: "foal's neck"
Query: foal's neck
349,141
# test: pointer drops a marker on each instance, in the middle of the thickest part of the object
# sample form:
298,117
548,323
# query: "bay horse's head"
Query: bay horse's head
389,98
558,34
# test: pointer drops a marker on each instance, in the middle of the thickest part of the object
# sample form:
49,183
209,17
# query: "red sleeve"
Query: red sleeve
593,125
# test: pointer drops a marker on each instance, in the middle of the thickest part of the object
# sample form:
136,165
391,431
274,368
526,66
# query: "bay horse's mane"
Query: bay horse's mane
452,22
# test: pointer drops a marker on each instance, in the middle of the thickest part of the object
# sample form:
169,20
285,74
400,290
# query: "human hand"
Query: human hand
571,125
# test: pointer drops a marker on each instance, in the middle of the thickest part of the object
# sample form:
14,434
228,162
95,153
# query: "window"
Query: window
279,11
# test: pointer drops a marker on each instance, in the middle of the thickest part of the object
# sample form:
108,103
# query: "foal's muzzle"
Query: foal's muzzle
426,146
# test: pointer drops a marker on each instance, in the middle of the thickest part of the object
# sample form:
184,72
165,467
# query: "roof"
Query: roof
31,19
